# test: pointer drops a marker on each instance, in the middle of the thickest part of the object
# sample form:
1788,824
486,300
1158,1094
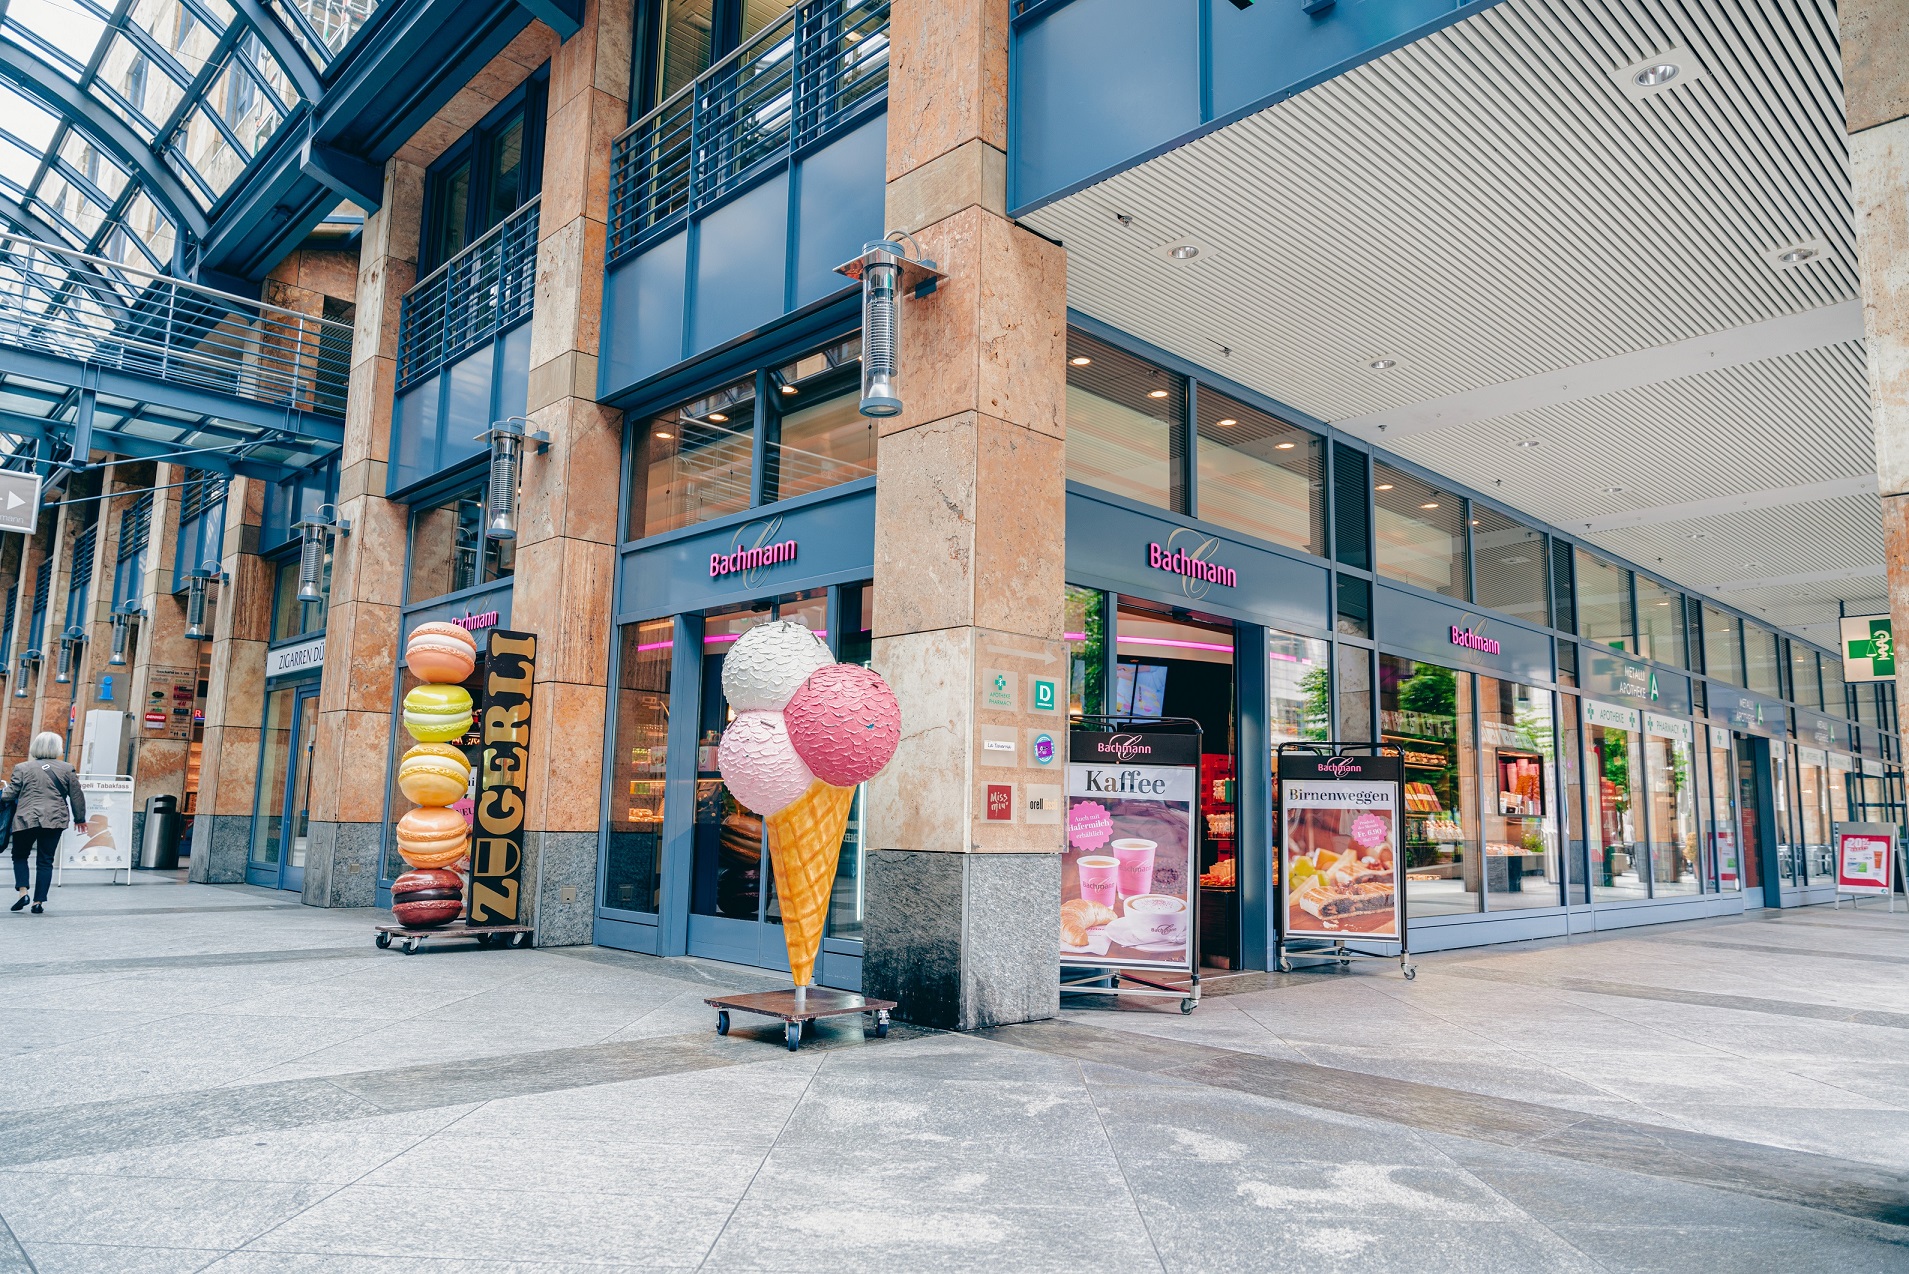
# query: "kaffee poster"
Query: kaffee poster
1340,855
1127,874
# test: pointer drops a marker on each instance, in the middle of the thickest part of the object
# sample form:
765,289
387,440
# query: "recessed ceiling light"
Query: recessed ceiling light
788,389
1656,75
1663,603
1698,535
1228,423
1788,256
1080,361
1662,72
1752,566
1383,486
1156,393
1611,490
1380,364
1183,250
1284,446
1528,443
718,417
1430,504
1796,256
661,434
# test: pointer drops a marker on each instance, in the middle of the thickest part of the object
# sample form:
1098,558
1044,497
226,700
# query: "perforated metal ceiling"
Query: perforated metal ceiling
1492,204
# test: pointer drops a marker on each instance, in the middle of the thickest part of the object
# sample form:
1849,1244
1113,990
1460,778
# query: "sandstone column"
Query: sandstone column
16,718
963,909
567,534
1875,45
162,659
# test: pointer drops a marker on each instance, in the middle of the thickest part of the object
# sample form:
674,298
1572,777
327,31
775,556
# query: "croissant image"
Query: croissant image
1078,916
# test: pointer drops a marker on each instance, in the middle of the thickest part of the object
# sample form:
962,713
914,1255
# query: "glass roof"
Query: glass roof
200,87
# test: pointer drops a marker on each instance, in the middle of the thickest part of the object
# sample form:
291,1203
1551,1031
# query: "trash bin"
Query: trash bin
160,847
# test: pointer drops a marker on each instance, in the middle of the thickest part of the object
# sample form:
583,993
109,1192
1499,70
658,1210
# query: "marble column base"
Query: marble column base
341,864
560,886
963,941
220,844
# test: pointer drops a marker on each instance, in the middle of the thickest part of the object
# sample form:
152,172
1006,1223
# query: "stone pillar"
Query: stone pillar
161,655
92,676
963,910
1875,46
235,693
16,714
53,703
367,576
567,533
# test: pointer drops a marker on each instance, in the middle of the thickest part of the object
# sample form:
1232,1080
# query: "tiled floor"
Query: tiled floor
221,1079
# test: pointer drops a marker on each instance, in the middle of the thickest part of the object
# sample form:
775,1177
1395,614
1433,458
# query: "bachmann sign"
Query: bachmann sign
497,849
1471,639
1192,563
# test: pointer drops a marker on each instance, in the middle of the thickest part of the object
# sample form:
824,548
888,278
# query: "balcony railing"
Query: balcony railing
116,317
803,76
486,288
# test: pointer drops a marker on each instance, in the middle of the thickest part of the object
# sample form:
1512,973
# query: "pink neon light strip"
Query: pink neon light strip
1182,645
1073,636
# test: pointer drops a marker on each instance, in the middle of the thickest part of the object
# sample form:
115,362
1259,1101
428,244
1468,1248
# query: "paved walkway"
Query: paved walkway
222,1079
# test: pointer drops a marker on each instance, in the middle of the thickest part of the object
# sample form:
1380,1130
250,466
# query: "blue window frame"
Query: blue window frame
79,580
135,528
201,525
42,590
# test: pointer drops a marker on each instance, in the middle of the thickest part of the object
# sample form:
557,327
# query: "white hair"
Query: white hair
47,746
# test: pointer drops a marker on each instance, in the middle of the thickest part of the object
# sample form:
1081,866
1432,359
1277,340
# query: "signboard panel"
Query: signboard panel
1869,648
105,841
497,841
306,656
1341,853
19,501
1127,872
1865,853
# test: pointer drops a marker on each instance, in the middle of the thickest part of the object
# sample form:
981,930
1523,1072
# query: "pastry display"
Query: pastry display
434,774
440,653
433,836
437,714
426,898
795,707
1078,916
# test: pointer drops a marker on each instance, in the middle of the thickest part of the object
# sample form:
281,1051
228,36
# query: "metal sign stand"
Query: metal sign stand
1836,831
1337,949
1106,980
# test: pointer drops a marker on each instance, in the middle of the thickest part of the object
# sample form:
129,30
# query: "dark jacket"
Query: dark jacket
44,794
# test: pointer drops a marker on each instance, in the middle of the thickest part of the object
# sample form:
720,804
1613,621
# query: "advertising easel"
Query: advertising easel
1340,808
1117,766
1868,856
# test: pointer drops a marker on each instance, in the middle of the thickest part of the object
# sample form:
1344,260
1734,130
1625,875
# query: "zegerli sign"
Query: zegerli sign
497,849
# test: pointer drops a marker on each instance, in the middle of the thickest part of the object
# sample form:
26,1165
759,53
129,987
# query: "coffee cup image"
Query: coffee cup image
1162,916
1099,878
1135,856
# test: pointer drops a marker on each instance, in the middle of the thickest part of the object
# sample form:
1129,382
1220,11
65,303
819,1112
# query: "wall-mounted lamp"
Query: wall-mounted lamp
70,642
122,626
26,670
196,585
317,533
507,438
886,273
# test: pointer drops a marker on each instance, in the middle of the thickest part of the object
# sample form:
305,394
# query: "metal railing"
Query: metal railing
113,316
801,77
468,300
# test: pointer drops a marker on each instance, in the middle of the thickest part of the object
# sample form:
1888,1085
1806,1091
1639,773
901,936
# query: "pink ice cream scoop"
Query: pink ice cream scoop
760,765
845,723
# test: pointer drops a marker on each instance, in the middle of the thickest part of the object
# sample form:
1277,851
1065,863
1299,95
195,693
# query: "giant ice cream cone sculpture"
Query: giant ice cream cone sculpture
806,733
434,775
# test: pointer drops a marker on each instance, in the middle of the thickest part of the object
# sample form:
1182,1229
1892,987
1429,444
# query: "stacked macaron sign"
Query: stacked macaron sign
807,730
434,839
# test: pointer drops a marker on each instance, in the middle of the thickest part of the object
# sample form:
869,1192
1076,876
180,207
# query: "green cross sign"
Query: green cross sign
1879,648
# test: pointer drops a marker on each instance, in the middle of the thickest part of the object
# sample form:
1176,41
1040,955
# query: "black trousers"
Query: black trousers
40,842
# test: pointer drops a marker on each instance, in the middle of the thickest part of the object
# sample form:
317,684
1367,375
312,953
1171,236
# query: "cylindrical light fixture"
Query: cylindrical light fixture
64,677
122,628
507,450
316,533
887,273
195,606
20,682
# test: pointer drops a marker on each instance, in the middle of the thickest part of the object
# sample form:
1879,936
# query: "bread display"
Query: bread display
1078,916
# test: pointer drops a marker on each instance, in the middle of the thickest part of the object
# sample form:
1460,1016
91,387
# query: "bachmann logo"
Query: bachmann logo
1188,554
1340,766
752,548
1472,639
1124,747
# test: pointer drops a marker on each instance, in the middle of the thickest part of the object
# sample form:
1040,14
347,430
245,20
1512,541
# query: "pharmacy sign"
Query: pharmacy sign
1869,648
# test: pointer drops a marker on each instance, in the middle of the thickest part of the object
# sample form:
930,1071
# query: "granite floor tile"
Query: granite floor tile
107,1258
47,1207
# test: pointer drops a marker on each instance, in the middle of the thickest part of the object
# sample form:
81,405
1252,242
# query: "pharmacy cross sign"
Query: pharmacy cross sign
1869,648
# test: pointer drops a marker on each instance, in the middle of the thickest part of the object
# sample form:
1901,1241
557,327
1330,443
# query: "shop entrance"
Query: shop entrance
1755,818
1173,663
734,914
283,818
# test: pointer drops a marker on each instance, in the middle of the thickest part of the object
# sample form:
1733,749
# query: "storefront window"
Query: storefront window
1660,622
1789,860
1126,424
1723,655
1813,784
1726,844
1804,687
1615,833
449,550
1426,712
1299,682
1521,781
856,646
1835,695
291,617
1673,805
1260,475
1086,635
1420,532
1509,559
1762,661
1571,816
1604,602
818,437
694,462
639,769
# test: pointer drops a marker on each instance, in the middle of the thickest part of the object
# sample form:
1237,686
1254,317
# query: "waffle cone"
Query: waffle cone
805,841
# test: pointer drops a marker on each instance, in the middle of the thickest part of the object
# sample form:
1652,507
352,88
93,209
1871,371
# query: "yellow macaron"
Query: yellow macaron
437,714
434,774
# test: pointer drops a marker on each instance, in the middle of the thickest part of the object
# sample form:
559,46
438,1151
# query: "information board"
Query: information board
1340,850
105,841
1865,854
1128,884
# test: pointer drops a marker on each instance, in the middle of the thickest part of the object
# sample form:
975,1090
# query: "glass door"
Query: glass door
282,815
298,801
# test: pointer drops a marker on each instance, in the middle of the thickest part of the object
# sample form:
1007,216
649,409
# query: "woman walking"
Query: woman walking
46,800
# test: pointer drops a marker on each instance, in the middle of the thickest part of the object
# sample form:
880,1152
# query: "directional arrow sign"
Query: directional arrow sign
19,501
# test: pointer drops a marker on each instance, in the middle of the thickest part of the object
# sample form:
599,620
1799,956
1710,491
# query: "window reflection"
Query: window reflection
1616,818
1126,423
1260,475
694,462
1521,781
449,550
1673,812
1420,532
1426,712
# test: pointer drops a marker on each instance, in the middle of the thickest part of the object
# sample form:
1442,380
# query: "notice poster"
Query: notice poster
1864,852
1339,876
1127,876
105,842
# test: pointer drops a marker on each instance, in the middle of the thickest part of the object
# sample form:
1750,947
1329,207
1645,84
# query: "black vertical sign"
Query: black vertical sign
497,849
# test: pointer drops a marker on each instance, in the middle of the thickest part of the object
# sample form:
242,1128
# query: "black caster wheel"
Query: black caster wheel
1411,972
881,1030
523,939
722,1021
1186,1005
483,939
410,946
1285,965
793,1033
384,942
